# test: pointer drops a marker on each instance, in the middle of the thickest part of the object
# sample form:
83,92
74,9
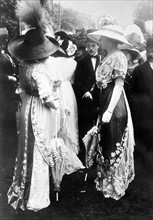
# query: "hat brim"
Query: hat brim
95,36
134,52
18,49
54,41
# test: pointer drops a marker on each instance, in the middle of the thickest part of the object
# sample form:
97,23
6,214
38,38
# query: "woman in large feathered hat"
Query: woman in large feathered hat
115,160
42,98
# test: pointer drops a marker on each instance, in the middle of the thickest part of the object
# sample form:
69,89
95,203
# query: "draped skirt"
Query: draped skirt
115,158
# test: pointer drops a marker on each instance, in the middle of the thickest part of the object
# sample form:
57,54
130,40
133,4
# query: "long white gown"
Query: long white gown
36,150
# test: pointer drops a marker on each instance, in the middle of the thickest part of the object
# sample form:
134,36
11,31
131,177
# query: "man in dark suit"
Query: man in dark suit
142,99
87,93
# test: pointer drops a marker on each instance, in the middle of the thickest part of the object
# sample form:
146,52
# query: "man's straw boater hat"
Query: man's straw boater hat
33,44
108,27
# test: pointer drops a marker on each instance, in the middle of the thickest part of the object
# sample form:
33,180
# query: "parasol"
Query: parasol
58,160
91,141
62,160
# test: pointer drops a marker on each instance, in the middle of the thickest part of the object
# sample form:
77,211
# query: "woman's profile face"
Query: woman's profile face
104,42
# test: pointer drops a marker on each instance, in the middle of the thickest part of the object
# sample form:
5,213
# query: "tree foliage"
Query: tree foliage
8,18
56,16
69,20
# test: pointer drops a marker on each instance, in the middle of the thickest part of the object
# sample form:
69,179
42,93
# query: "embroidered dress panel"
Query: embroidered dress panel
115,157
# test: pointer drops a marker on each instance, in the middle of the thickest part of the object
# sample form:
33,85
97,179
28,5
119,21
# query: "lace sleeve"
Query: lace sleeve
42,81
120,66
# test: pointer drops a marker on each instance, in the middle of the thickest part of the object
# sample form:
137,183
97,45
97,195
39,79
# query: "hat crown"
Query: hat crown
91,31
115,28
34,37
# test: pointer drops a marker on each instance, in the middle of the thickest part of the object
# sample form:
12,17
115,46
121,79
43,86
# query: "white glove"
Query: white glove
57,103
118,88
106,117
12,78
51,102
87,95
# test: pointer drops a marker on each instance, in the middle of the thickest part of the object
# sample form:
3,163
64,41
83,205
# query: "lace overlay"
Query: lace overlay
110,68
39,191
114,175
43,82
30,190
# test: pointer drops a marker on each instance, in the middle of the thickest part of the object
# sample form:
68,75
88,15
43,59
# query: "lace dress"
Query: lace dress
30,187
115,158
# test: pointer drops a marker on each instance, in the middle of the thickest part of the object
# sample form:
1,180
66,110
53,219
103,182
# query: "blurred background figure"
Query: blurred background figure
133,58
81,50
146,27
142,96
66,43
8,102
149,27
135,37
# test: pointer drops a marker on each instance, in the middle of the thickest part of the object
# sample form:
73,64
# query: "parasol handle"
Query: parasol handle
98,120
85,178
56,196
56,124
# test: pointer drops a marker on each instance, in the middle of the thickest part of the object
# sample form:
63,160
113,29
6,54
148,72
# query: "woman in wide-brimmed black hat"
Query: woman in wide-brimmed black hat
40,98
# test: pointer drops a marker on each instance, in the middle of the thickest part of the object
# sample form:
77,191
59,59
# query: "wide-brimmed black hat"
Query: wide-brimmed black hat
32,46
54,41
63,35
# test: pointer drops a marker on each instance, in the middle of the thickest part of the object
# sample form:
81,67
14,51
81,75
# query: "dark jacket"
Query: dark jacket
142,98
85,81
142,85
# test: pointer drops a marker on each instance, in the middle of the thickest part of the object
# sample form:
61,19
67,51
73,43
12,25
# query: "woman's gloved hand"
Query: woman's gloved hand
106,117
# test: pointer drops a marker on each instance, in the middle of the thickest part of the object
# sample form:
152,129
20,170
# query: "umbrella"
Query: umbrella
62,160
91,142
58,159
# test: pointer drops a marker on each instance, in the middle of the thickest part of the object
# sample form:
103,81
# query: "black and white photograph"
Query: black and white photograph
76,110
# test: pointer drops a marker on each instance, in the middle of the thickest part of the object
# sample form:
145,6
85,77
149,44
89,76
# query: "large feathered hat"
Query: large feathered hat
108,27
33,44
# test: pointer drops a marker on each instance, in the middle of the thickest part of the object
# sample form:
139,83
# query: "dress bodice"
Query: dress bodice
111,67
63,68
26,81
34,79
40,79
